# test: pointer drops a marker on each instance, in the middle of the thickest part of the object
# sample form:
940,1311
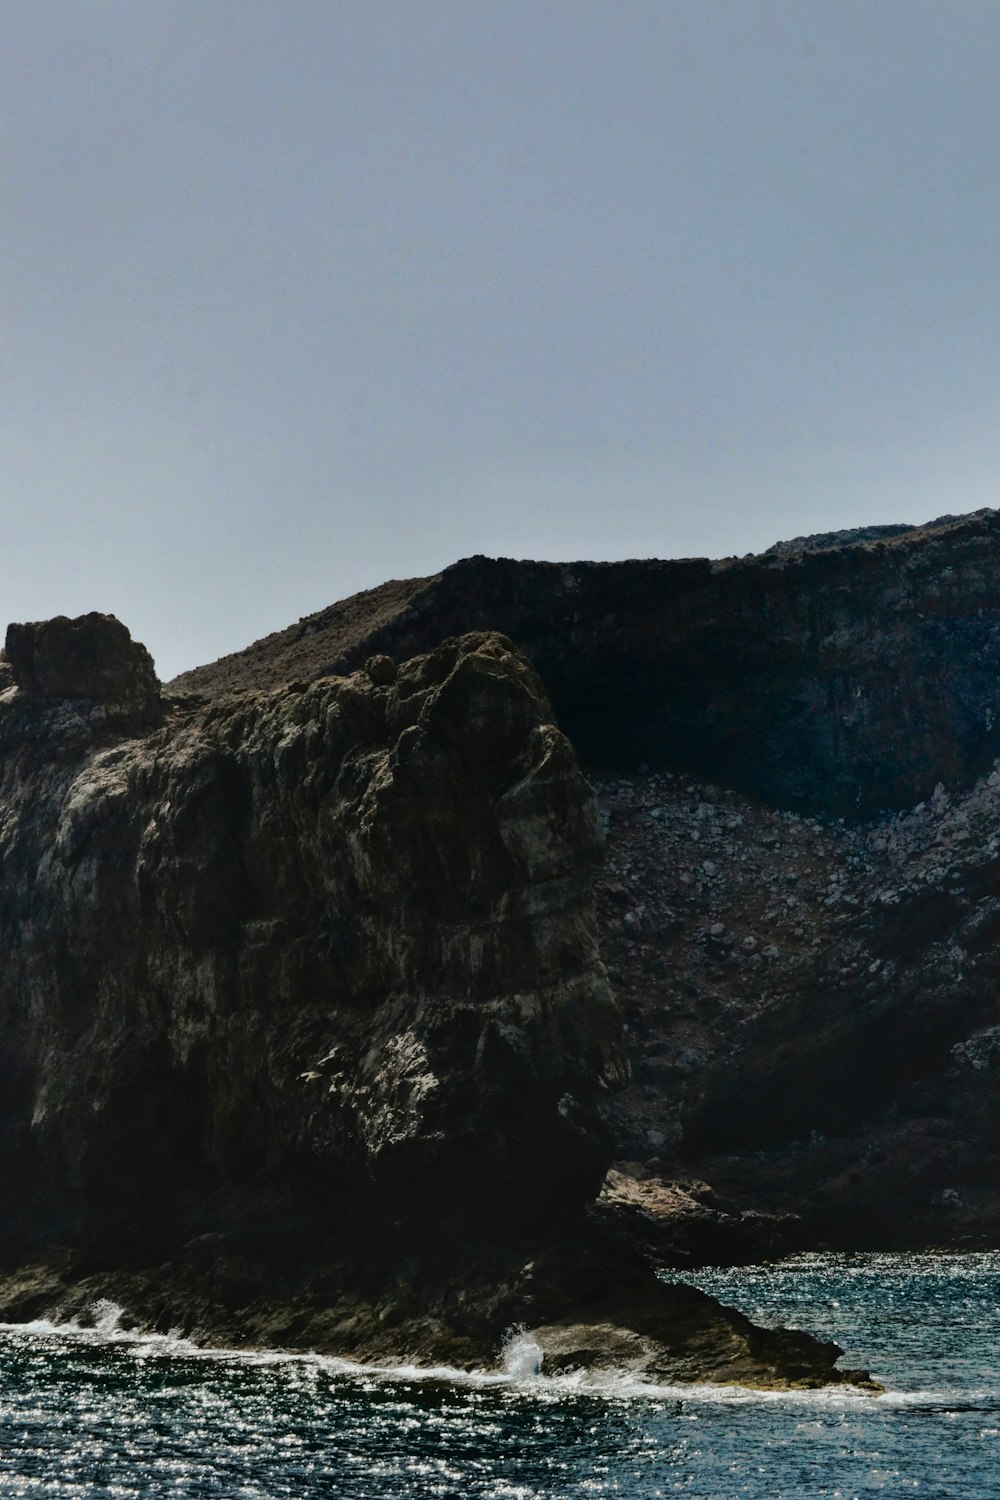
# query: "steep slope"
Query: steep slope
813,1010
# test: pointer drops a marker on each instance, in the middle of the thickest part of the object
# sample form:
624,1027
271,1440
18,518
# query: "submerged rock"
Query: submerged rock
684,1336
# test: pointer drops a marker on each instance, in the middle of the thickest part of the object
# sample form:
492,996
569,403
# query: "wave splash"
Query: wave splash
101,1323
522,1355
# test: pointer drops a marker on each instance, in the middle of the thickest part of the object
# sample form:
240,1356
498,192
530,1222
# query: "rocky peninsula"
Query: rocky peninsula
315,1034
307,1037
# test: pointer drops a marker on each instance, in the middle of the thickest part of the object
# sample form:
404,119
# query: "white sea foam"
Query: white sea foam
103,1325
521,1358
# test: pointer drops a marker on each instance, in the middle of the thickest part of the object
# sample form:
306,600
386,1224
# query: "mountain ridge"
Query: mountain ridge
784,676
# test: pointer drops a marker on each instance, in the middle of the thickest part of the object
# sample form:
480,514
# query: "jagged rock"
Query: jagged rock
343,935
304,1033
91,658
678,1221
852,675
589,1301
382,670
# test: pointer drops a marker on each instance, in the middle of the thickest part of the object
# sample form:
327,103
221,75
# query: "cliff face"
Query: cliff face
329,945
305,1038
797,758
335,930
838,679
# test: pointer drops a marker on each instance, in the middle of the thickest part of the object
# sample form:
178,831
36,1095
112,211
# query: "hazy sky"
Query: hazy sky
299,295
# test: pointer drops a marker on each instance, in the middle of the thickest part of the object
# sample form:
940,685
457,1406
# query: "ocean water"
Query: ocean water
100,1412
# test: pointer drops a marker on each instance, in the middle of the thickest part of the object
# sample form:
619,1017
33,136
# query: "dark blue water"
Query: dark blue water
99,1413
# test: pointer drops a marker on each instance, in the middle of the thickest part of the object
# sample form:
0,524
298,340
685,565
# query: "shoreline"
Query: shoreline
629,1321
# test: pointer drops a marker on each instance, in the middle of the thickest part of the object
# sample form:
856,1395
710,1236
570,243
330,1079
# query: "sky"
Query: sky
300,295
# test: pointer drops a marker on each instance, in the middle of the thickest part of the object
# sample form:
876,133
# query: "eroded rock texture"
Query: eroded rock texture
813,1012
306,1038
800,911
328,948
92,659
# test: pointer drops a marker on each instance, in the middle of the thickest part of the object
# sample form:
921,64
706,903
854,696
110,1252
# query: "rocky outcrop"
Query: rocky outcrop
91,659
678,1221
589,1304
796,755
306,1038
340,933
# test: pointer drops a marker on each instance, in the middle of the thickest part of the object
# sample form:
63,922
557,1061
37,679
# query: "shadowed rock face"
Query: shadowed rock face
92,658
334,942
842,677
814,1016
304,1034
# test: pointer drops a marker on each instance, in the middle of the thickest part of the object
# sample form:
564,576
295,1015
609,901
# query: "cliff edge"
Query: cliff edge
840,676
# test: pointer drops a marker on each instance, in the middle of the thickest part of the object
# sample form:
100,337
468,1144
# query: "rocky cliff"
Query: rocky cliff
340,933
841,678
306,1037
798,908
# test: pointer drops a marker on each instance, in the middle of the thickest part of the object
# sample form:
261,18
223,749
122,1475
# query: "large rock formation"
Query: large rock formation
91,659
799,911
306,1038
340,933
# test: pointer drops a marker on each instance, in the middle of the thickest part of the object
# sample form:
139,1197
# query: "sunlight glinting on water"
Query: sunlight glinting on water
104,1411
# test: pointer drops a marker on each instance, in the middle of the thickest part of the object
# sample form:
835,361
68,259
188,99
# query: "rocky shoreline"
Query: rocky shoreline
332,996
308,1040
588,1304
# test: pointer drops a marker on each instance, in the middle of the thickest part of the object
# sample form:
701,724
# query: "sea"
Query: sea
100,1411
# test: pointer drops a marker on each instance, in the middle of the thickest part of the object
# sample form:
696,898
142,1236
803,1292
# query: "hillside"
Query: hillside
843,678
795,759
